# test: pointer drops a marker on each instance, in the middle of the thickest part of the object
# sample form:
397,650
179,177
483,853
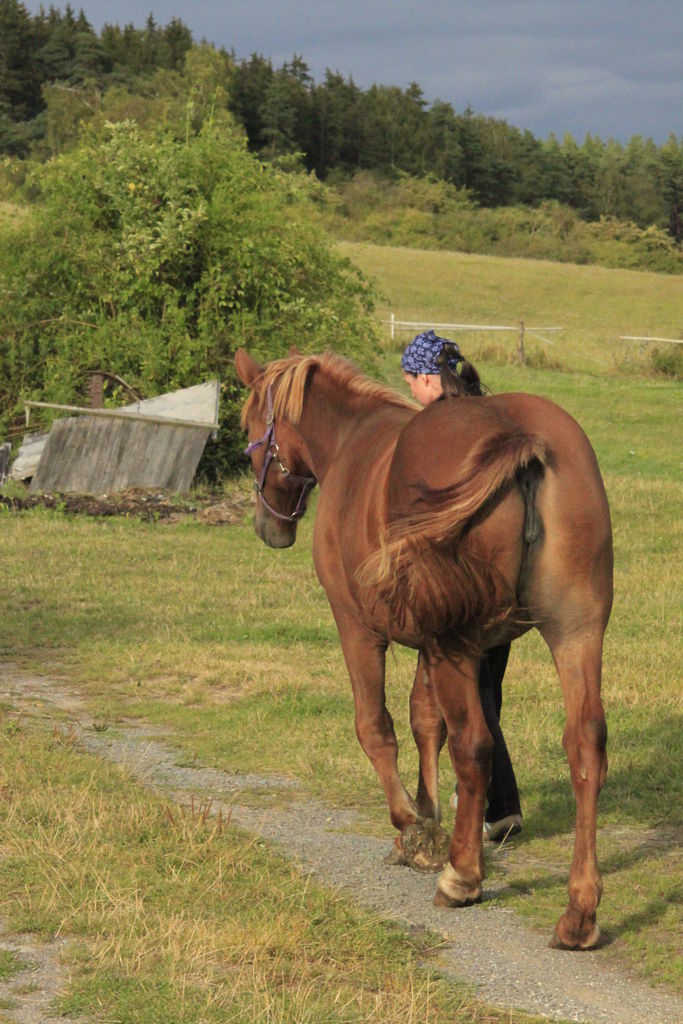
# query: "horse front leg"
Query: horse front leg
578,663
426,846
365,660
471,748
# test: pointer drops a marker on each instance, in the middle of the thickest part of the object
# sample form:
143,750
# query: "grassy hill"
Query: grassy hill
594,305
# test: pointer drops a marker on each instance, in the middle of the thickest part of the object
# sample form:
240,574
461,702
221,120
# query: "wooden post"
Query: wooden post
393,329
521,355
5,449
96,391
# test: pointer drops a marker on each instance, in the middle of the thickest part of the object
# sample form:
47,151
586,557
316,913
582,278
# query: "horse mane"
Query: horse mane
287,380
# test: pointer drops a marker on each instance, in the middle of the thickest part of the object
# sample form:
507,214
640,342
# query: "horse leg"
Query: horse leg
429,731
425,846
365,661
471,748
578,660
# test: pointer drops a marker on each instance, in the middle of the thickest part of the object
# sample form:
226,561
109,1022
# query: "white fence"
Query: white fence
636,337
520,330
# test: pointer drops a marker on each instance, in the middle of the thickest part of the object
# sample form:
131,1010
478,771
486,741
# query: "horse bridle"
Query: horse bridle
273,455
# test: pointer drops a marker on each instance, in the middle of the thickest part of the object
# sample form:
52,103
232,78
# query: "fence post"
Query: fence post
96,391
5,449
392,326
521,355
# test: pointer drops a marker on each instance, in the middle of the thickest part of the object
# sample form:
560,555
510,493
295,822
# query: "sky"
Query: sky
611,68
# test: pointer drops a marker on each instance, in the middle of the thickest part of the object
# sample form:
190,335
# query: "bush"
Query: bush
154,257
430,214
668,361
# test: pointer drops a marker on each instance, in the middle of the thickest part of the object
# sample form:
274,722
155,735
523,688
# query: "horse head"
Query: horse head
283,479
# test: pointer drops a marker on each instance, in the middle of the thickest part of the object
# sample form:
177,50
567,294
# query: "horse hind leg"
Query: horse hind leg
578,660
471,748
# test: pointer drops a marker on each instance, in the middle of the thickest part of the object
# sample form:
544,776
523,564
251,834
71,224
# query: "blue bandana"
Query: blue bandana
422,353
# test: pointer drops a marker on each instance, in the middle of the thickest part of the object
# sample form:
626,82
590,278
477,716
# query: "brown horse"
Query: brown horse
447,530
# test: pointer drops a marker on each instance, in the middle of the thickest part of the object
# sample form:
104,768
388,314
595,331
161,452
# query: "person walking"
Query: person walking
435,370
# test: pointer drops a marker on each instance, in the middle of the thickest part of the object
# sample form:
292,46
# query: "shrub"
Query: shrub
154,257
668,361
425,213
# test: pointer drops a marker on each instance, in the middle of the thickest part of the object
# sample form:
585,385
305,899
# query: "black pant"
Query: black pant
502,795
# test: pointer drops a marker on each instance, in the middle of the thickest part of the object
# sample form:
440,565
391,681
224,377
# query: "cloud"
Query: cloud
599,66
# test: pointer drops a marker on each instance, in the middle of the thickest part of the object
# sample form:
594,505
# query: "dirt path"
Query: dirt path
508,964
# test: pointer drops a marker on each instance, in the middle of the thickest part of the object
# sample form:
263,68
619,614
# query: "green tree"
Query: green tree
337,133
670,177
556,172
445,156
19,89
67,107
643,200
178,39
394,126
581,164
287,110
20,99
248,90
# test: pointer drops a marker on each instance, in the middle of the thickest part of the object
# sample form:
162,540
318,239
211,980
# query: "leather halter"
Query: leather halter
273,455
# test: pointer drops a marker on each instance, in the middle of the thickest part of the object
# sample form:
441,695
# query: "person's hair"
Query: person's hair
464,379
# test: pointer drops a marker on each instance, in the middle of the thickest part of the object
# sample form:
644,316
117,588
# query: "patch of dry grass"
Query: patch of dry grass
176,916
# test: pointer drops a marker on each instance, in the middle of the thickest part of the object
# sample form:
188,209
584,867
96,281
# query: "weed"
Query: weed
11,964
668,362
197,817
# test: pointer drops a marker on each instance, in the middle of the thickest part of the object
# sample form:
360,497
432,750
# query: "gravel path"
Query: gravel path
489,947
27,994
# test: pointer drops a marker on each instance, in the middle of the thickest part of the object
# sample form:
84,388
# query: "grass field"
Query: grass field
594,305
222,642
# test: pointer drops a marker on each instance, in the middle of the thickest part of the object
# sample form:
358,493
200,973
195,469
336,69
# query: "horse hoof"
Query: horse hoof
396,857
423,846
455,891
442,900
590,941
426,861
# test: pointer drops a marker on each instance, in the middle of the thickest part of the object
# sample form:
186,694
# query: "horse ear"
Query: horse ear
294,351
248,370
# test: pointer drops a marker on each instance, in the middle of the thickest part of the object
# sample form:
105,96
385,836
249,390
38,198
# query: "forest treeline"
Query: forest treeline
55,70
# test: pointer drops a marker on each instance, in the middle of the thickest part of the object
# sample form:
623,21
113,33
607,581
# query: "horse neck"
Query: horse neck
327,420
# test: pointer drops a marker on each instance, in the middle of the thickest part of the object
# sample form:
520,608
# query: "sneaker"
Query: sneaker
510,826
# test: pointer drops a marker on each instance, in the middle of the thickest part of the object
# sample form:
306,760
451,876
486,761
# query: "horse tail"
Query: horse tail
424,573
